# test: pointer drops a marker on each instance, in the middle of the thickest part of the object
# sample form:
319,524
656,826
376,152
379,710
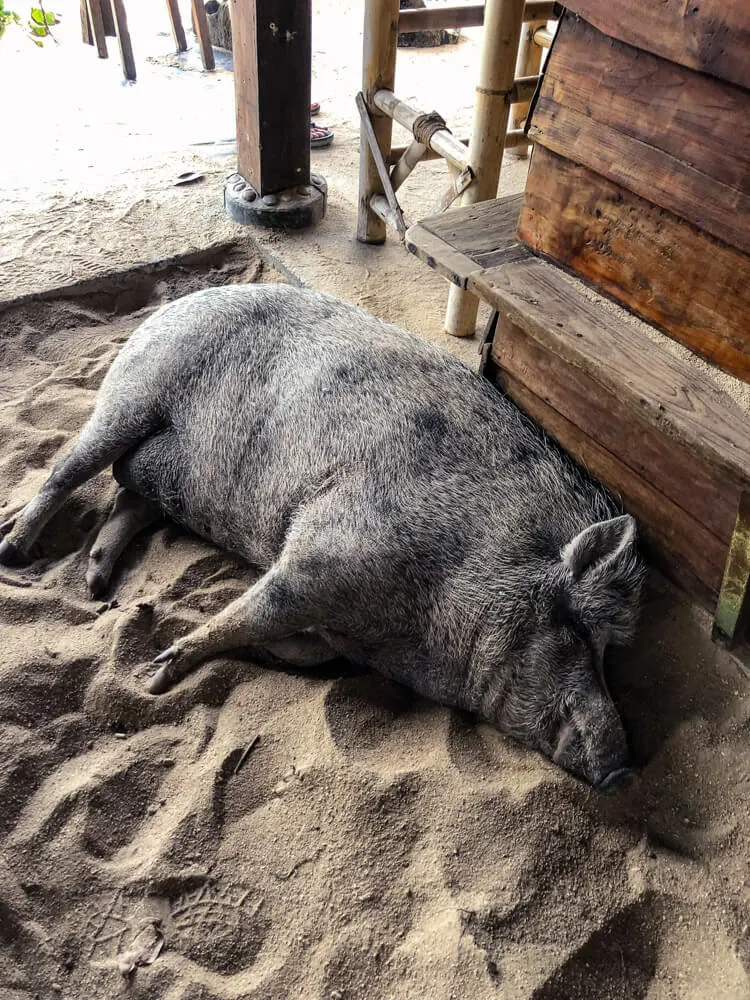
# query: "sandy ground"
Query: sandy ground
261,833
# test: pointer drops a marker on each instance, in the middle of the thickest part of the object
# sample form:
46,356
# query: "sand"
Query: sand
271,834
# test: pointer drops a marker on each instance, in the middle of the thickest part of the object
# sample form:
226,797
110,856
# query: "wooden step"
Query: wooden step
650,421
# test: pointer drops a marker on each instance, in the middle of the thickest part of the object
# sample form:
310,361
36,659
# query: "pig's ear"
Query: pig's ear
602,546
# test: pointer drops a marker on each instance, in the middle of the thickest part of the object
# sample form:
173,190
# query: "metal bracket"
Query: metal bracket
463,180
487,366
385,180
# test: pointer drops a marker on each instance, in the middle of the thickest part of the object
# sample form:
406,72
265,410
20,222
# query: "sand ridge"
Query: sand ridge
266,833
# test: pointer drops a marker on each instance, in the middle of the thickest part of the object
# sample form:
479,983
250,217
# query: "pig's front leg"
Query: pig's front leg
272,609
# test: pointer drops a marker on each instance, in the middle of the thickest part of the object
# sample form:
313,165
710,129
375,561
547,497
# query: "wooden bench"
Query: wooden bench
645,420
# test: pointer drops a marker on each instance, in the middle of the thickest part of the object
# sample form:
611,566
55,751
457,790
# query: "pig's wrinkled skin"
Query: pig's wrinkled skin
406,514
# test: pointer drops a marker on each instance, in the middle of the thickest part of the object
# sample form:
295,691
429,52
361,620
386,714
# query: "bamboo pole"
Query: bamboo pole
513,138
443,141
529,63
408,160
468,16
502,29
378,72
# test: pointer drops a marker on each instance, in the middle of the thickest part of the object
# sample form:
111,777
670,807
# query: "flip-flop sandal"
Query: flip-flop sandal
320,136
314,108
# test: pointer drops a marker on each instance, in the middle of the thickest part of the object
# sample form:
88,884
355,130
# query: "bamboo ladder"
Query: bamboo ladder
474,163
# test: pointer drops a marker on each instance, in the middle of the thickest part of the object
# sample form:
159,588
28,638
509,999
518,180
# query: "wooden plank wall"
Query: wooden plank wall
640,181
694,287
712,36
678,138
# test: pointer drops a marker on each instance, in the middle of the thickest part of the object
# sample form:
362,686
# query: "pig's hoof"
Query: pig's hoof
616,780
10,555
162,680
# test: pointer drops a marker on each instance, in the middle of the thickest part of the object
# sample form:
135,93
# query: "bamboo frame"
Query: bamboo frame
378,205
469,16
502,30
407,161
442,142
379,71
513,139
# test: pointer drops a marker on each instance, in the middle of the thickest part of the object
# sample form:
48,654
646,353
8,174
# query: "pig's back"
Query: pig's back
279,394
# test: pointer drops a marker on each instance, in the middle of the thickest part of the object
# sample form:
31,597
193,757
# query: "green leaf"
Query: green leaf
37,15
38,29
50,17
38,41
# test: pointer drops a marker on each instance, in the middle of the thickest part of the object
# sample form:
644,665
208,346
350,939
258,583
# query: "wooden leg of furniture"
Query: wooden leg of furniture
379,71
502,29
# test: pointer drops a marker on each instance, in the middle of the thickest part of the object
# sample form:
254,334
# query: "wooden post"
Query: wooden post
502,29
97,27
200,21
271,45
378,73
123,39
86,32
178,32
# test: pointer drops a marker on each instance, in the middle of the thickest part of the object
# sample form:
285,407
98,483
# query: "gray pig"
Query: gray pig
405,513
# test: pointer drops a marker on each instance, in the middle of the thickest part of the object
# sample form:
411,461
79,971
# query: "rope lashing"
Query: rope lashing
425,126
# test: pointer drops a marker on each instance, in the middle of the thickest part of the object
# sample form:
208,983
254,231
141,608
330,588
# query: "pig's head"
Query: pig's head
558,701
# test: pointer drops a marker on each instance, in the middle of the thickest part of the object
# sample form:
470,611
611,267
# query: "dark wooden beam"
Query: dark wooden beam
271,42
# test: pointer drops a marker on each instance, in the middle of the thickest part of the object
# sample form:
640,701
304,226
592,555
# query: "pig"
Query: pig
404,513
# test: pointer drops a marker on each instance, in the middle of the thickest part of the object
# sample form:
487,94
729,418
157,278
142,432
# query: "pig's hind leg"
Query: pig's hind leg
271,613
115,427
130,515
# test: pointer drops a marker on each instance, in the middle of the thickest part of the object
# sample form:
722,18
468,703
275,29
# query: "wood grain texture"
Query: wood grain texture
675,137
695,288
673,469
665,390
272,63
478,231
712,36
679,545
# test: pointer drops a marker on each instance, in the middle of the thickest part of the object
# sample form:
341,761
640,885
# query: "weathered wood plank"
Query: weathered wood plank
478,230
655,129
664,389
178,31
439,255
123,39
200,26
94,11
673,469
694,287
695,118
712,36
680,546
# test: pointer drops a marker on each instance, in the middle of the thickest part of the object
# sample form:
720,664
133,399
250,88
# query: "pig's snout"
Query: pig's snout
592,745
